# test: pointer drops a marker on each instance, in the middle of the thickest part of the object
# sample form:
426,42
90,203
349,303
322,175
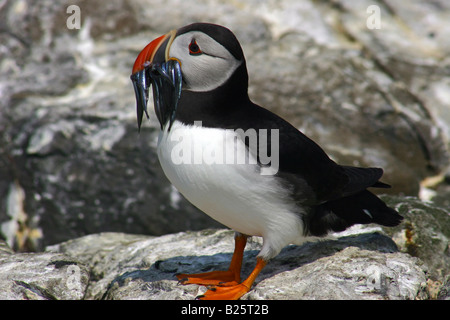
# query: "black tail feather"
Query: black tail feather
380,184
361,208
362,178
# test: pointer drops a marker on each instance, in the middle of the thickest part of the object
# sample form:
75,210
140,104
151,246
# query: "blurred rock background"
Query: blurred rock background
73,163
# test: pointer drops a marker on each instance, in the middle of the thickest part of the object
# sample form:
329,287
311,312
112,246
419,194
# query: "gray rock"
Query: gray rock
117,258
68,134
41,276
424,233
350,274
365,266
364,262
444,291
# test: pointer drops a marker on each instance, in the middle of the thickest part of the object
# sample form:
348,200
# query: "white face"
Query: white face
206,69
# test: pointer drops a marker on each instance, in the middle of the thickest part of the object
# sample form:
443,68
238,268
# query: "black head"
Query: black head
211,61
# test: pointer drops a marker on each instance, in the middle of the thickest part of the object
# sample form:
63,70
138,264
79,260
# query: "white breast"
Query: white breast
235,194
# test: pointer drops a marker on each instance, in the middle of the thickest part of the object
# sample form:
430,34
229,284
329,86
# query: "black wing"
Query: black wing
336,194
313,177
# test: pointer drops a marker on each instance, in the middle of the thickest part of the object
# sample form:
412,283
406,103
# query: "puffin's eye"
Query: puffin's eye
194,49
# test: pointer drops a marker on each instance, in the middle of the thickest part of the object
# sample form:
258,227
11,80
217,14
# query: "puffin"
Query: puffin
239,163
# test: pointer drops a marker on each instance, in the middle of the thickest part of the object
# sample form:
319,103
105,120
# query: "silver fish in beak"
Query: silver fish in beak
166,80
165,77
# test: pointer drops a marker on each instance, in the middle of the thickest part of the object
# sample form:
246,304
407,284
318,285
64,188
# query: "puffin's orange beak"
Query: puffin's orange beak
147,54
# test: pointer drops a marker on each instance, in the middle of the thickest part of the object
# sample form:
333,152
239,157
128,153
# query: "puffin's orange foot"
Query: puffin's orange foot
213,278
225,293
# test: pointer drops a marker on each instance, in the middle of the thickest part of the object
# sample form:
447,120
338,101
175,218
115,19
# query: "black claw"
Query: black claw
199,297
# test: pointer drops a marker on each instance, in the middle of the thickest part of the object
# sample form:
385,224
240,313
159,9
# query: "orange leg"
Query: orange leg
230,277
236,291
